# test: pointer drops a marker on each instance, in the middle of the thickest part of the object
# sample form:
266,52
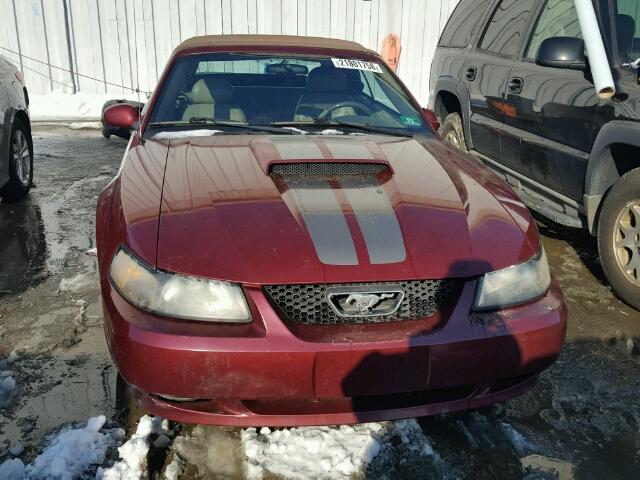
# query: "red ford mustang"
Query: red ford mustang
289,243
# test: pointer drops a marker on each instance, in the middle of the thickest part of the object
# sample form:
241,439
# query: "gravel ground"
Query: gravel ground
581,421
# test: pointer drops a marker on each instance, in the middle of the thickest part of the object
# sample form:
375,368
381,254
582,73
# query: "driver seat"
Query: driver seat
326,86
213,98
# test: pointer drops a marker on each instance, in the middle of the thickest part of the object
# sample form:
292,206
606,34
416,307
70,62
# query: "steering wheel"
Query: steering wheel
355,105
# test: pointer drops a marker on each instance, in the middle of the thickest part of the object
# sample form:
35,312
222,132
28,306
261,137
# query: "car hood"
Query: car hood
332,209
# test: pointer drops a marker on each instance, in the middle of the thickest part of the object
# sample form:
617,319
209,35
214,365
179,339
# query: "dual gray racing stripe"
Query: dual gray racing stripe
324,219
327,226
376,218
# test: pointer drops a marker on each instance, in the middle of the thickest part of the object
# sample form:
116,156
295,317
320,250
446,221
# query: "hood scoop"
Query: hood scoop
327,168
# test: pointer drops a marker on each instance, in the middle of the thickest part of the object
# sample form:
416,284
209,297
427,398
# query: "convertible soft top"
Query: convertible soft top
271,41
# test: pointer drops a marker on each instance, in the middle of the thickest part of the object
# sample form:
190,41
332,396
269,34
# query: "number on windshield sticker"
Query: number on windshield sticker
354,64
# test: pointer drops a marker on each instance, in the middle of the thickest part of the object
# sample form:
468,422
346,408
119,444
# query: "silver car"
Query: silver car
16,145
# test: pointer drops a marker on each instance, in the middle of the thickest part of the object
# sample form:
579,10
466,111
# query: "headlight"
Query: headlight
177,296
514,285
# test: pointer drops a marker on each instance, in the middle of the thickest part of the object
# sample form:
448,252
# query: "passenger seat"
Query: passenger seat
326,87
213,98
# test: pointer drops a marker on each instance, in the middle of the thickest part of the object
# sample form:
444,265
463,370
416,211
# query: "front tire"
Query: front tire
619,237
20,163
452,132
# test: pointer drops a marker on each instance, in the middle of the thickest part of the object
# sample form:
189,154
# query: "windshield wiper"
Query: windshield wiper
364,127
221,123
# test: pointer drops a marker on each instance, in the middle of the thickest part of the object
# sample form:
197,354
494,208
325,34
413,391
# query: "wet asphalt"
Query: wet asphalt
581,421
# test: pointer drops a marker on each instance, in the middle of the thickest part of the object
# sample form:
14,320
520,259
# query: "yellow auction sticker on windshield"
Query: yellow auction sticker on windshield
355,64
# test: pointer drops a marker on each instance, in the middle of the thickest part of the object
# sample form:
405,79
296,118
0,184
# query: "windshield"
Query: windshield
627,22
305,92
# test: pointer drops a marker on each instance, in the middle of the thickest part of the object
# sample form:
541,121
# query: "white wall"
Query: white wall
125,43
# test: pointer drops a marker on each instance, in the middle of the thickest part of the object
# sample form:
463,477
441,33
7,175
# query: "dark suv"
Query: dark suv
533,115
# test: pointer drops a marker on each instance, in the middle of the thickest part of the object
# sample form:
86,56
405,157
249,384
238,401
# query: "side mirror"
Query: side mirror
432,119
562,52
121,115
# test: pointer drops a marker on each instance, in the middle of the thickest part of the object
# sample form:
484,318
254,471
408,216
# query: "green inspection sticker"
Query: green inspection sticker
410,120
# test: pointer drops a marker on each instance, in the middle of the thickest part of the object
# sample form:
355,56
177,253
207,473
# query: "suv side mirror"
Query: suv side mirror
121,115
562,52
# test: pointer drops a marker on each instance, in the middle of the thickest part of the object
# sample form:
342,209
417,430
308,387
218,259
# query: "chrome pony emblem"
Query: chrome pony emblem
365,301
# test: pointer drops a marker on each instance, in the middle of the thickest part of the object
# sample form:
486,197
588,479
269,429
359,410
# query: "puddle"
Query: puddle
53,391
618,459
23,246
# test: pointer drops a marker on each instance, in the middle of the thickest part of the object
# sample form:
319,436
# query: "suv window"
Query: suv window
628,28
506,27
558,19
463,23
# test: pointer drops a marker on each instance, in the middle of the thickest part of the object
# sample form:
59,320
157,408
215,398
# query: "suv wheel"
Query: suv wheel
20,163
452,131
619,237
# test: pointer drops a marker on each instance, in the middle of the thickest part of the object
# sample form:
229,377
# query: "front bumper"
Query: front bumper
270,374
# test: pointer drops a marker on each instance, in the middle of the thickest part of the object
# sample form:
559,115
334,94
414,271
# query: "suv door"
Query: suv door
487,70
552,113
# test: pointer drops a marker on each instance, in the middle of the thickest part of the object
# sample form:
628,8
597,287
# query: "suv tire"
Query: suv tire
20,163
452,132
620,214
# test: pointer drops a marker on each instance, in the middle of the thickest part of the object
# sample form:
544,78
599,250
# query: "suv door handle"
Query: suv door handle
515,85
472,73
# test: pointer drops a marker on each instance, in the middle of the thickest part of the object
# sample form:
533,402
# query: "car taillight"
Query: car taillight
20,77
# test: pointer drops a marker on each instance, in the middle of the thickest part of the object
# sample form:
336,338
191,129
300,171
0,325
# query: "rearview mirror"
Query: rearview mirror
121,115
562,52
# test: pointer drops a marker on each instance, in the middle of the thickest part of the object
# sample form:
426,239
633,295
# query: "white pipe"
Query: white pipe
598,61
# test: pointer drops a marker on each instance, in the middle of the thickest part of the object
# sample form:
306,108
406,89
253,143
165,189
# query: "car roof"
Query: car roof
269,41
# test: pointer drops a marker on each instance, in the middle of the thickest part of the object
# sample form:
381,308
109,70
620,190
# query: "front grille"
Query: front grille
308,305
328,168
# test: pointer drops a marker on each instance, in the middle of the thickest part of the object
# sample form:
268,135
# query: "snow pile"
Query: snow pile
12,470
311,452
7,389
173,469
332,452
57,106
519,443
184,134
69,453
133,453
7,382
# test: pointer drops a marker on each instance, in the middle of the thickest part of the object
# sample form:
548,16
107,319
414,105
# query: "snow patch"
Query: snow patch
520,444
13,357
184,134
311,452
133,453
77,283
334,452
12,470
174,469
57,106
7,382
85,125
68,454
17,450
295,130
331,131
